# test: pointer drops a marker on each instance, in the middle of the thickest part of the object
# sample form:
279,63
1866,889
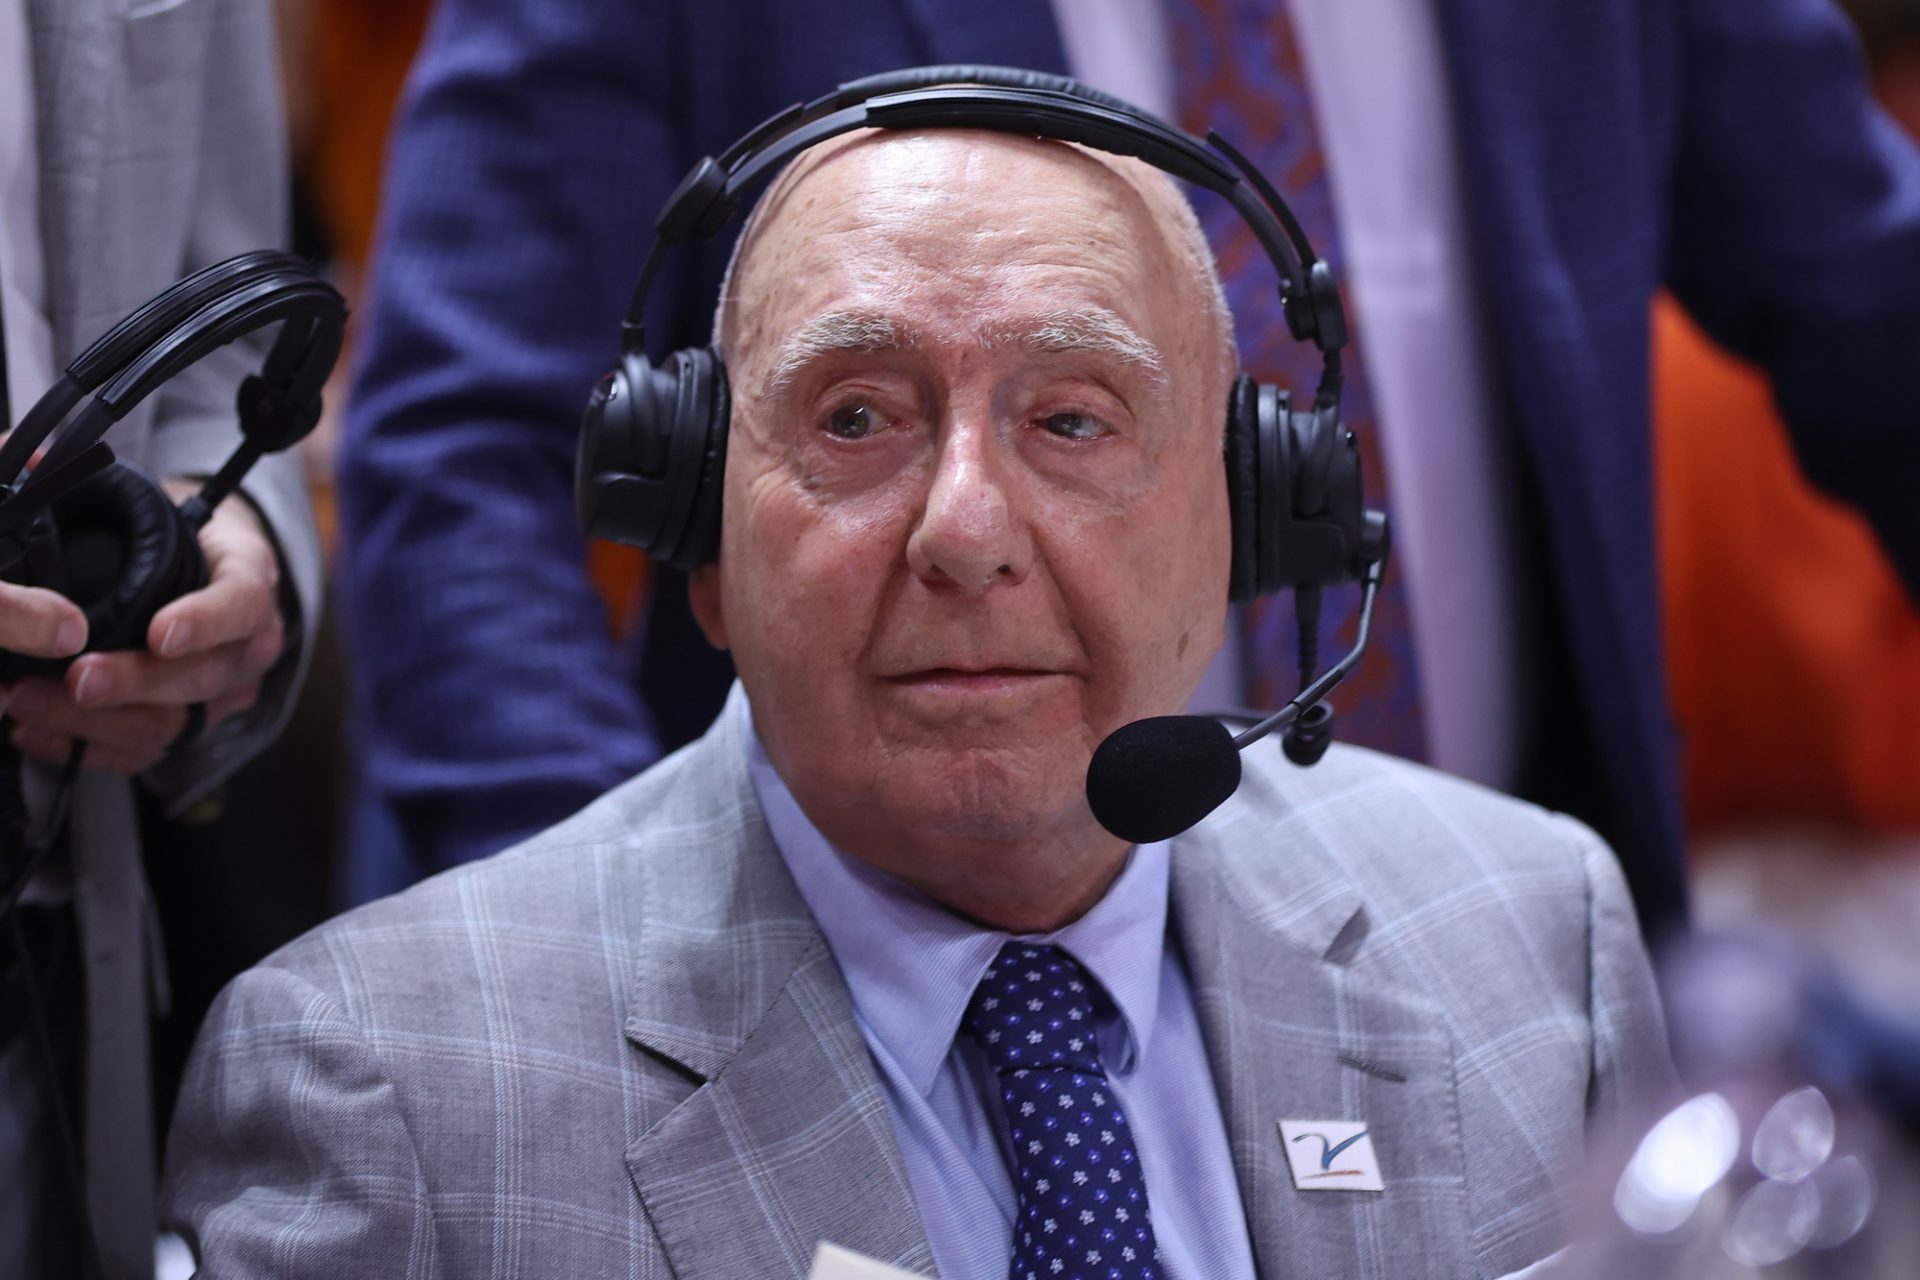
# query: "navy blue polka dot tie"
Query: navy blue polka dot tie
1083,1201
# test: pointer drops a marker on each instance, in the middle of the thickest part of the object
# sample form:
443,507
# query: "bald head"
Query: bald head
1141,198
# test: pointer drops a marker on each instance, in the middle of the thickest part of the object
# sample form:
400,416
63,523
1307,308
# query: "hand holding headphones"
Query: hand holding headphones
208,648
176,608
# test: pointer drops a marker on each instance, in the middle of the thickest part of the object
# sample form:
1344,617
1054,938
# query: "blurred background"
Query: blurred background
1792,651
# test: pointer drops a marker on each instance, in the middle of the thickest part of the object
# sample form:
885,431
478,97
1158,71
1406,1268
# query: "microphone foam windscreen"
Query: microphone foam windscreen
1152,779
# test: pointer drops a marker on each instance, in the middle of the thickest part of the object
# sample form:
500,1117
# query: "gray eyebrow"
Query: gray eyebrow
1094,330
836,333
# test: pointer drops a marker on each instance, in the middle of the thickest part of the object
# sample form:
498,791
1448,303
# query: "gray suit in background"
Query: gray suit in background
162,149
624,1048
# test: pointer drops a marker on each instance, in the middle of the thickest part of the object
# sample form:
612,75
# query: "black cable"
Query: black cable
57,1100
33,853
39,847
6,404
13,804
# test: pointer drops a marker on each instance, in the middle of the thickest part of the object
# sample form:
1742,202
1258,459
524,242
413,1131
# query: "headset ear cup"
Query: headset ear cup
648,441
1243,488
128,552
1324,535
703,528
1316,439
1273,456
682,385
689,533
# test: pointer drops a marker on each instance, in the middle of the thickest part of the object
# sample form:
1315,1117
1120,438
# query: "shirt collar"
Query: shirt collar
912,965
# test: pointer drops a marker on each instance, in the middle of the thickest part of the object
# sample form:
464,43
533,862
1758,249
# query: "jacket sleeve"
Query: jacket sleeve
1632,1065
1795,241
533,150
290,1156
240,204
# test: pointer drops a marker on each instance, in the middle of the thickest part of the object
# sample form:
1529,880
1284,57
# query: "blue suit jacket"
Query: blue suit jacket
1724,147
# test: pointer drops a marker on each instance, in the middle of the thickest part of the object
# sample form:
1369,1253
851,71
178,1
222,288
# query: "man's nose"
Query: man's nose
970,534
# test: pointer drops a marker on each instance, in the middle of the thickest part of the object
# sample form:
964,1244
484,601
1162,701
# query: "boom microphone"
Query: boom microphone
1153,779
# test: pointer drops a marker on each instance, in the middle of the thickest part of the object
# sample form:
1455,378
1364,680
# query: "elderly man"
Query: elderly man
792,985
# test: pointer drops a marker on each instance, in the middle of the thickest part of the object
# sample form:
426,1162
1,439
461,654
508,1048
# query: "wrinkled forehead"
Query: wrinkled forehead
997,220
964,169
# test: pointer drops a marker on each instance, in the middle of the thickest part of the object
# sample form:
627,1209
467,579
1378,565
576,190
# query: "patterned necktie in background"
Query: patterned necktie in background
1238,70
1083,1201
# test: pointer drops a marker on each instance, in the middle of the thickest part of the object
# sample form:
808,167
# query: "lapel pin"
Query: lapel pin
1331,1155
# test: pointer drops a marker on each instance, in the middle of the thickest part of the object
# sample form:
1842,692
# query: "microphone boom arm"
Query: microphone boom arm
1313,693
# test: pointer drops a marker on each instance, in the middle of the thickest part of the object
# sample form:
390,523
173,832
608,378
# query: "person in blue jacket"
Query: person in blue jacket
1727,150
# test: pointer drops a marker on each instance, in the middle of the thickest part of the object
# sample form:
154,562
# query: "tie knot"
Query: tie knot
1033,1009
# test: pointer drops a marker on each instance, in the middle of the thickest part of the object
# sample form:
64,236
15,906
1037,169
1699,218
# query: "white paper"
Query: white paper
831,1262
1554,1264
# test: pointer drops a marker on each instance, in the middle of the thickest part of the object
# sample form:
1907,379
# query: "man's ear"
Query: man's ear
703,594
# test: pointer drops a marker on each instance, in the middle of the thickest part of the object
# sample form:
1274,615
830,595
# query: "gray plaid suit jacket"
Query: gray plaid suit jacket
624,1049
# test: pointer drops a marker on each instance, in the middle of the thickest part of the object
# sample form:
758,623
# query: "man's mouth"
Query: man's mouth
982,676
977,685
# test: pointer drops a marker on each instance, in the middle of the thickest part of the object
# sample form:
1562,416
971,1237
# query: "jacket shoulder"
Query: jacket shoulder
1385,817
586,884
1428,856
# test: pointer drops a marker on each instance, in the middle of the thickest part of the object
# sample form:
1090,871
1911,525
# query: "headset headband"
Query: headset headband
1028,103
180,327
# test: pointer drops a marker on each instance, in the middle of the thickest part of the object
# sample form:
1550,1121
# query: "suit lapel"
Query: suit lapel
787,1140
1272,946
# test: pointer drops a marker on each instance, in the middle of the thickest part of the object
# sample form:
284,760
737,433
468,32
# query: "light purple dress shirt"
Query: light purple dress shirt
912,966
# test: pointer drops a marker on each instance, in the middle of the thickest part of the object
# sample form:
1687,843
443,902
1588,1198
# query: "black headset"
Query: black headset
653,442
103,533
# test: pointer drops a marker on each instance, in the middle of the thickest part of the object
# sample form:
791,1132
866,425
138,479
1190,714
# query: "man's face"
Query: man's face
975,513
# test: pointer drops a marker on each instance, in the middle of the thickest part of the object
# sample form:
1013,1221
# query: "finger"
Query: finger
40,623
34,693
122,679
53,748
36,744
45,708
124,763
267,646
229,608
240,598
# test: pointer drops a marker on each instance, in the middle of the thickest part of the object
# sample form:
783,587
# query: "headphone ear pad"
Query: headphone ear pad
1243,489
651,454
127,551
714,395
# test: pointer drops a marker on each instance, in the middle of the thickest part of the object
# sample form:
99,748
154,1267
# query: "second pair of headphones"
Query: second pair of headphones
104,533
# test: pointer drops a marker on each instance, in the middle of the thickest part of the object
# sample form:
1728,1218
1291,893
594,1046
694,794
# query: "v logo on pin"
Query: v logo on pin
1331,1155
